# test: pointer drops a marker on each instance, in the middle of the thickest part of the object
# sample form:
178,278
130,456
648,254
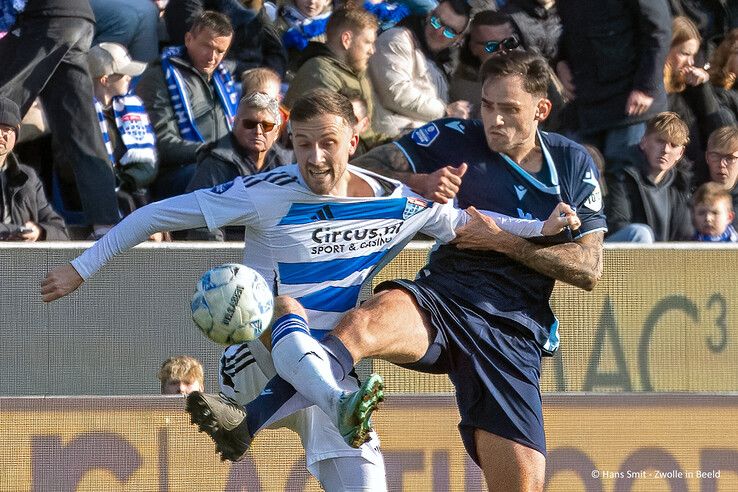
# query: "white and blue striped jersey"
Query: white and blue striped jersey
319,249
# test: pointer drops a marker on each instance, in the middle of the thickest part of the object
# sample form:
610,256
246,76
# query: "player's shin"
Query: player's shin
304,363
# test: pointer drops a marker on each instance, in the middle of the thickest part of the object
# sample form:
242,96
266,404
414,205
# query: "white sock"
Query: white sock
303,362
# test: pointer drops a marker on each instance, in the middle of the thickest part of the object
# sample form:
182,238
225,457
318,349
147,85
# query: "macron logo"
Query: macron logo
323,214
266,392
520,190
456,125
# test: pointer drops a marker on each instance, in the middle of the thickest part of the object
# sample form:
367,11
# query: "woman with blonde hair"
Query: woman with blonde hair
688,93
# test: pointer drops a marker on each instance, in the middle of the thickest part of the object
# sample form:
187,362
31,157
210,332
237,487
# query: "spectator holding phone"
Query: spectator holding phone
25,214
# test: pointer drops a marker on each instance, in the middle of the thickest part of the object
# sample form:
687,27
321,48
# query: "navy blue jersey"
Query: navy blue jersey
493,282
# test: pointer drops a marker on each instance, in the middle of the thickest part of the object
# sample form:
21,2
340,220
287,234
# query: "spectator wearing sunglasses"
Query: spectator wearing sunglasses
245,151
490,33
410,71
493,33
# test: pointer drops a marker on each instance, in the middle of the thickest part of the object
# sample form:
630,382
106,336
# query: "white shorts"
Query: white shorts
245,370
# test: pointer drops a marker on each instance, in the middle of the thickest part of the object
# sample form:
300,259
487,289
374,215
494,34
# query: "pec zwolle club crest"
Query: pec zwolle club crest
134,126
413,206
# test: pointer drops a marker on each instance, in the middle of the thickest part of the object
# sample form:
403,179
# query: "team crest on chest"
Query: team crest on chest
413,206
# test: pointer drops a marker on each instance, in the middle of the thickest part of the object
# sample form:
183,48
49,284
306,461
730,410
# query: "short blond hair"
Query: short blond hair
724,138
669,126
181,368
254,79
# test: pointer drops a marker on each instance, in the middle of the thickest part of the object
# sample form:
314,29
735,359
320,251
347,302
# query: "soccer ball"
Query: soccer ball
232,304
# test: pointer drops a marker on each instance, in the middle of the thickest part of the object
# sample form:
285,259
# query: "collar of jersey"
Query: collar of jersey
363,173
547,160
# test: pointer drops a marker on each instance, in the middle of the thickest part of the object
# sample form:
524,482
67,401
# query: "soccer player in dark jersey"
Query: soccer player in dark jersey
483,303
479,310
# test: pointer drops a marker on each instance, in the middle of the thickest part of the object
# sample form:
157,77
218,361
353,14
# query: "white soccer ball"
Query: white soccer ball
232,304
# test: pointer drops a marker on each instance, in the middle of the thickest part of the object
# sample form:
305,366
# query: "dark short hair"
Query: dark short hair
214,22
460,7
532,68
492,18
318,102
349,18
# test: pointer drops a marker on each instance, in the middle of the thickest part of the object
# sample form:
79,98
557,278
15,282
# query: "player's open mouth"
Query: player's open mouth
319,173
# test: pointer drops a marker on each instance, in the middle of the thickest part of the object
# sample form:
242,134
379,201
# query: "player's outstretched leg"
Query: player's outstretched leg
224,420
355,410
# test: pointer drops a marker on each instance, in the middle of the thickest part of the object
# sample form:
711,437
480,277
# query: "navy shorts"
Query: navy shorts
494,366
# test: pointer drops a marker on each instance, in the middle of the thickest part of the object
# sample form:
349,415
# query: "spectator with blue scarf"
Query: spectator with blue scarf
190,98
124,123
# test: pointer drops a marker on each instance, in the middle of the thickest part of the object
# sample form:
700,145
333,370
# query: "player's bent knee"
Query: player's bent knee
287,305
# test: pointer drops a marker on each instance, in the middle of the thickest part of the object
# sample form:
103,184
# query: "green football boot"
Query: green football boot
355,411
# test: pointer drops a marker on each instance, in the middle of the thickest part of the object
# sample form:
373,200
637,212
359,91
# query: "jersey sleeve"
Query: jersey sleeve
436,144
586,197
445,219
176,213
227,204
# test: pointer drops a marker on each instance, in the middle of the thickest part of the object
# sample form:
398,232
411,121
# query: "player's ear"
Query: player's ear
543,109
353,143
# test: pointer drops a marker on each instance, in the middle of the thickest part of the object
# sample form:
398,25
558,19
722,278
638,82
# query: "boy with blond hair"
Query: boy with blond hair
181,375
649,188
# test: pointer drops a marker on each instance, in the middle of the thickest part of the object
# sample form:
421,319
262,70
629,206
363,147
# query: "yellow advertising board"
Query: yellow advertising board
606,443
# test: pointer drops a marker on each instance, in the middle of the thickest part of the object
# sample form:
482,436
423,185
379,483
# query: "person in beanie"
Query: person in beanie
25,214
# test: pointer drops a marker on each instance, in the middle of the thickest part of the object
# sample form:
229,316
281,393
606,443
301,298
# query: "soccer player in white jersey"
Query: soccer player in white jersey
320,219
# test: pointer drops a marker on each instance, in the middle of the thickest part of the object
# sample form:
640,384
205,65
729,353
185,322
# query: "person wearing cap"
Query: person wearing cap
191,99
127,133
247,150
25,213
44,55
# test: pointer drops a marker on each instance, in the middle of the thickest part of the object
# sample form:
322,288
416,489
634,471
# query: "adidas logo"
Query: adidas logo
323,214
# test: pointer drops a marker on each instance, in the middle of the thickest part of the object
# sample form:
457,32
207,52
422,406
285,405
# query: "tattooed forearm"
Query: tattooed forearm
578,263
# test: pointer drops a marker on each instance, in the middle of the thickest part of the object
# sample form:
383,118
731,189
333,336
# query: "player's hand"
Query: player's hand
59,282
441,185
563,216
638,103
479,233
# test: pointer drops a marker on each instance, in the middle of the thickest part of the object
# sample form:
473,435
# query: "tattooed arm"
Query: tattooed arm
388,160
578,263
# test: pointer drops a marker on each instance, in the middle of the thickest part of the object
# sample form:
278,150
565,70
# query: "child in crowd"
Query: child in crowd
181,375
129,138
712,214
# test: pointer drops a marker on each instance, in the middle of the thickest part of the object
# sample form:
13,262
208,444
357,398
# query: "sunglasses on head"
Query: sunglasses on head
266,126
506,44
448,32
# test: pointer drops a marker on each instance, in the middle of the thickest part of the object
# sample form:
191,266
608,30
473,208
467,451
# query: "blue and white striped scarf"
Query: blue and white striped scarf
729,235
134,128
224,88
302,28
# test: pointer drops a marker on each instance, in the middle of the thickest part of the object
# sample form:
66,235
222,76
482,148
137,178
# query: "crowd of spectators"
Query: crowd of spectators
138,100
